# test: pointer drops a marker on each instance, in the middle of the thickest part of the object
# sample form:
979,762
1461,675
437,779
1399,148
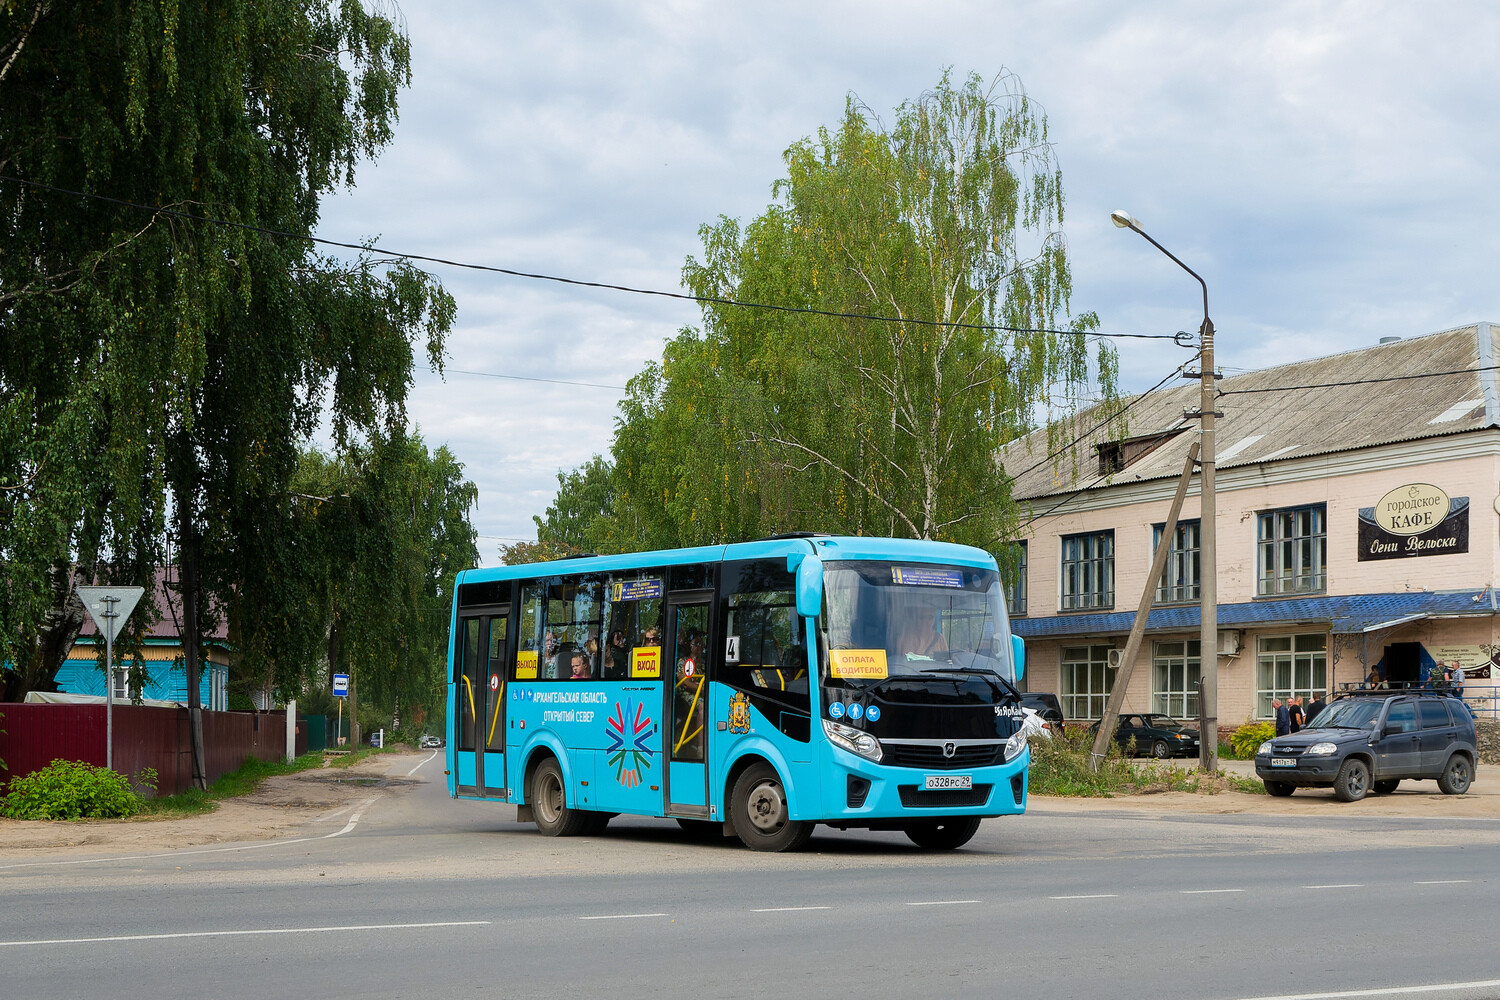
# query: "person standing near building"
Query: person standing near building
1294,714
1314,707
1283,717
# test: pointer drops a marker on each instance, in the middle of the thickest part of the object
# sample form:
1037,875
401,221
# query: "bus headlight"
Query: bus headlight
856,741
1015,745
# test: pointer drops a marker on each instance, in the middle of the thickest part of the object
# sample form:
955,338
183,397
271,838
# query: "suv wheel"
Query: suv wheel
1280,789
1457,775
1353,782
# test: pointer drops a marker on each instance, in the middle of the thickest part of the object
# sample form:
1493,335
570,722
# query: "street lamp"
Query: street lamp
1208,636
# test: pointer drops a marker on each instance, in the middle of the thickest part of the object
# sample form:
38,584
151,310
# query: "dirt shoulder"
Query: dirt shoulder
321,801
315,801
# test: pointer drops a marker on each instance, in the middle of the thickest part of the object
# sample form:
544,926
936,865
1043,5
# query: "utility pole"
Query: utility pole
1208,557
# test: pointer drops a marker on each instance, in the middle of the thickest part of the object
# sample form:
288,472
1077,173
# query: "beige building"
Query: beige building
1358,529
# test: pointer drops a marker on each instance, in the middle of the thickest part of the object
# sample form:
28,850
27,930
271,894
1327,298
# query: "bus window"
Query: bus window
529,650
495,686
695,576
574,609
467,666
764,644
633,625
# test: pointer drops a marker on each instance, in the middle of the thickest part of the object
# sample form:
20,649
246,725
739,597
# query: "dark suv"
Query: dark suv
1371,741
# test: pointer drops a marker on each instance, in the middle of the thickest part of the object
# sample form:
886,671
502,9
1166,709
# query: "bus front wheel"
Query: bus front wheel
758,806
549,803
942,834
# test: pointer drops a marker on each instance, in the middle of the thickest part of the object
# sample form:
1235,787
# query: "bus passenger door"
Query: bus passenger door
492,765
469,698
686,743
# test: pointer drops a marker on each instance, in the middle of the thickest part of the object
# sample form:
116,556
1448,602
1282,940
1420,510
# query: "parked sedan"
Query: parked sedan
1160,736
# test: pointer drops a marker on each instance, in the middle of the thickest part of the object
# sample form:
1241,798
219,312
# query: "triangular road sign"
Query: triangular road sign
110,606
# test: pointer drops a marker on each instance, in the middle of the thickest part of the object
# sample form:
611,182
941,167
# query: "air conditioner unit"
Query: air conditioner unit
1229,642
1115,658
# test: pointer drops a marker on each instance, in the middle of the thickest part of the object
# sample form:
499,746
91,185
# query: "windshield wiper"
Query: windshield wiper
982,672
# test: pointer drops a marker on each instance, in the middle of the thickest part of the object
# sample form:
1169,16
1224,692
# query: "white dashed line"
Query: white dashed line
943,902
1101,895
1389,991
1204,892
419,765
1344,885
262,931
623,916
1445,881
790,909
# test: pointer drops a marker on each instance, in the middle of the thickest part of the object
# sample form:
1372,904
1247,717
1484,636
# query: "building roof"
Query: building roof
1347,614
1313,407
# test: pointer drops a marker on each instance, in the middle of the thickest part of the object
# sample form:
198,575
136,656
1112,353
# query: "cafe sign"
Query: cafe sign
1417,519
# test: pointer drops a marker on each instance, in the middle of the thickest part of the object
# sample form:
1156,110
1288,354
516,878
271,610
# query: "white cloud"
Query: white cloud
1325,166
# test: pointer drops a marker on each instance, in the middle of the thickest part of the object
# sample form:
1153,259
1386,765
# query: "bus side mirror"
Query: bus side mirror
810,586
1018,656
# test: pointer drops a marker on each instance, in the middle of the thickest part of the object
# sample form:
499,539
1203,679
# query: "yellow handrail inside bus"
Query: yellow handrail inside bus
689,719
499,700
469,687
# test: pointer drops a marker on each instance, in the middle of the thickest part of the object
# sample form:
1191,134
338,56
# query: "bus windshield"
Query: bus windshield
891,619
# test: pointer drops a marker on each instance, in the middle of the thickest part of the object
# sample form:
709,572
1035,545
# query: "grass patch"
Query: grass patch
1060,766
195,801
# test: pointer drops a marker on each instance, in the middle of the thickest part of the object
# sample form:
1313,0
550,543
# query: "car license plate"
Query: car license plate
1283,761
944,782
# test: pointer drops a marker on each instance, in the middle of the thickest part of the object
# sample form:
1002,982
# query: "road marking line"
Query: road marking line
1445,881
420,763
623,916
262,931
1343,885
1201,892
1386,991
208,850
1101,895
944,902
790,909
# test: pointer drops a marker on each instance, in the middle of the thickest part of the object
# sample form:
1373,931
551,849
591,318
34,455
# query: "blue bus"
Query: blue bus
750,690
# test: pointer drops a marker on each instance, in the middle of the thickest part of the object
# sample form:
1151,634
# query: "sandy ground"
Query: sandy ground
321,800
314,800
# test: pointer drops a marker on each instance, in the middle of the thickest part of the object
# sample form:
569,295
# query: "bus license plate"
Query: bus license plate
947,782
1283,761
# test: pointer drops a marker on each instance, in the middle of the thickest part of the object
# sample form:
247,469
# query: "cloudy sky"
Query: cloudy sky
1329,168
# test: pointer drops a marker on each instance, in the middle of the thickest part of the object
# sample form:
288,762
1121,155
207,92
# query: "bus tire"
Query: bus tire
943,834
759,809
548,797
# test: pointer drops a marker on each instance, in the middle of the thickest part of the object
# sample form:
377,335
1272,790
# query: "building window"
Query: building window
1287,666
1086,679
1175,669
1015,573
1179,580
1088,571
122,684
1293,551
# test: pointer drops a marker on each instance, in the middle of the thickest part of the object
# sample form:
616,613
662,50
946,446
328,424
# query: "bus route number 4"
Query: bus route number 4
732,649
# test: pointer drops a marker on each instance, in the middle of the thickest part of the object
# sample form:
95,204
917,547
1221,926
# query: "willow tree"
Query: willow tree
167,334
922,287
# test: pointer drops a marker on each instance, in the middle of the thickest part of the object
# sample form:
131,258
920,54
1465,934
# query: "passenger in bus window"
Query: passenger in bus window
616,654
549,654
593,650
581,670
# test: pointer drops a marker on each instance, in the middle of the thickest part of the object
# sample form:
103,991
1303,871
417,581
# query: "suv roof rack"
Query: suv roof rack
1386,692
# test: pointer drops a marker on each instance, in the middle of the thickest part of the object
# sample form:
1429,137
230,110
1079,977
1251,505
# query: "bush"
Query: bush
71,789
1248,738
1060,766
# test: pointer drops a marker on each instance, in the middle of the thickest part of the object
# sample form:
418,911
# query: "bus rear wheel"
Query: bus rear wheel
758,807
549,803
943,834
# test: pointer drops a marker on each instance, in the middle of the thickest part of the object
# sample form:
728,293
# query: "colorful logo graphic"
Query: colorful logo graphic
627,731
739,713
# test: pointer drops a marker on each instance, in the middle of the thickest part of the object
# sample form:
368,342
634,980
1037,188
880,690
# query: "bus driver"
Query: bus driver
919,633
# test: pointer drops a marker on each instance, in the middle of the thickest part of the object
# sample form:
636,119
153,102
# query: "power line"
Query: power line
1361,381
580,283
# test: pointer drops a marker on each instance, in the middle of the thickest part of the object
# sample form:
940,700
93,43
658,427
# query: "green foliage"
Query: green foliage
1248,738
765,421
1060,766
72,789
246,779
152,361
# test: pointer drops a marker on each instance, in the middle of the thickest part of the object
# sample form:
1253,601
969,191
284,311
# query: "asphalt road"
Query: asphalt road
420,896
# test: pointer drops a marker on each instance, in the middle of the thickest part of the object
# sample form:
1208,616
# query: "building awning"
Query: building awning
1354,613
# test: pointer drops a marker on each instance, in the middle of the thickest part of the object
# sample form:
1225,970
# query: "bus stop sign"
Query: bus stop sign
341,685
